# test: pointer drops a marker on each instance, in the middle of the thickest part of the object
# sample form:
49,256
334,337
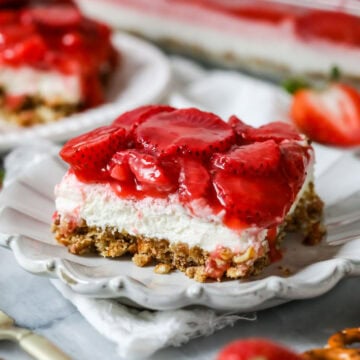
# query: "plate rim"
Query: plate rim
264,293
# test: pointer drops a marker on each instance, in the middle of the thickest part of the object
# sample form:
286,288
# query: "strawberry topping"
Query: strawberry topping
253,200
331,26
54,36
258,158
277,131
331,116
253,349
189,132
55,15
89,153
194,180
159,151
118,167
295,159
131,119
148,171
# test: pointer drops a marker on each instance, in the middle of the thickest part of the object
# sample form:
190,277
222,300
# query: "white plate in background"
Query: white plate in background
143,77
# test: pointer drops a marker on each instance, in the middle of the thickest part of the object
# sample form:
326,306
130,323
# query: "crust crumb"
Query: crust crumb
141,259
162,269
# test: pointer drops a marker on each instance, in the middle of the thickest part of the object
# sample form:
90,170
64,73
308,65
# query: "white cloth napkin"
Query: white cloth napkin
139,333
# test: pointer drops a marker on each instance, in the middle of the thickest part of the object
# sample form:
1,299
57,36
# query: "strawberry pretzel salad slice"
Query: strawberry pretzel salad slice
182,189
54,61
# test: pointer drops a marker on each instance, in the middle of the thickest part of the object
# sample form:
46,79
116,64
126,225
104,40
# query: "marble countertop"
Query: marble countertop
34,303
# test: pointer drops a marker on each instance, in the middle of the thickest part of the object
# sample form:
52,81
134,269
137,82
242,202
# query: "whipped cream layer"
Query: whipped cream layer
256,45
53,87
157,218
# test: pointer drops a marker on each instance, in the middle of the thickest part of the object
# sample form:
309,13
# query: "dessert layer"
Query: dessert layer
51,86
231,39
195,261
53,61
157,218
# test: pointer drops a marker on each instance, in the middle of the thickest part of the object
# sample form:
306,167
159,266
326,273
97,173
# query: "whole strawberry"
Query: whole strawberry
330,116
256,349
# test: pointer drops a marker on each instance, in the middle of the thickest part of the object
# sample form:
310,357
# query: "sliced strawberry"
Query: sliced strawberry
240,128
131,119
148,171
73,40
8,17
194,180
54,16
294,159
31,51
277,131
185,131
331,116
330,26
119,168
260,201
89,153
12,34
259,158
253,348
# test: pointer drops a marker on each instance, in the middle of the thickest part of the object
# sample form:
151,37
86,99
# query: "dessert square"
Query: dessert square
272,38
182,189
53,61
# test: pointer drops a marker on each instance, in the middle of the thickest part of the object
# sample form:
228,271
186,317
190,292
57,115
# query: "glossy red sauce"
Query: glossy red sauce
53,35
274,252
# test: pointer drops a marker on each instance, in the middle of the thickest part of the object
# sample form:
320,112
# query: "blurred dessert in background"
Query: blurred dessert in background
53,61
277,38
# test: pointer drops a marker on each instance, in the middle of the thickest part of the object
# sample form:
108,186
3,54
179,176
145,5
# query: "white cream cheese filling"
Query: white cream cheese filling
53,87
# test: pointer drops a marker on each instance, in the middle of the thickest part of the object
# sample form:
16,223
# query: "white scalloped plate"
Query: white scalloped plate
142,78
25,224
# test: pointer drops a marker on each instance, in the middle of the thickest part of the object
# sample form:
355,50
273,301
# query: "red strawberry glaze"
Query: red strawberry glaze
54,35
331,26
271,13
215,267
335,27
274,252
160,151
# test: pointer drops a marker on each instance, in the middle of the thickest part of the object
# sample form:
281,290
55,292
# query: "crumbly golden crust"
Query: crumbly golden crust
34,110
192,261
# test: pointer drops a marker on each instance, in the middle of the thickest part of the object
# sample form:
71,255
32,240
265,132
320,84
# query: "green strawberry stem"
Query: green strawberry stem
335,74
2,175
293,85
